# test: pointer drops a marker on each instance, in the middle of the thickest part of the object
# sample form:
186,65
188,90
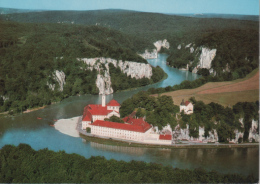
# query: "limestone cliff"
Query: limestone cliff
206,57
149,55
59,76
154,53
197,56
4,98
103,82
159,44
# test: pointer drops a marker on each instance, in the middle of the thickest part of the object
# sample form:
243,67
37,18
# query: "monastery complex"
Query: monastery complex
134,129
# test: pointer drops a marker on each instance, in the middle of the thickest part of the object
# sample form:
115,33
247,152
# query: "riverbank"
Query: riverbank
111,141
34,109
72,127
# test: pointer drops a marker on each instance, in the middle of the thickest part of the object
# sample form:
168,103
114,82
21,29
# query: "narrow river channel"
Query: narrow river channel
26,128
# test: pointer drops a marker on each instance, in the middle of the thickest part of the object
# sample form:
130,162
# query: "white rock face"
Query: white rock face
149,55
59,76
187,46
184,134
159,44
206,58
191,50
4,97
103,82
253,132
154,54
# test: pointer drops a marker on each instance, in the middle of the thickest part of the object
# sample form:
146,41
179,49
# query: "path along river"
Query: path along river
26,128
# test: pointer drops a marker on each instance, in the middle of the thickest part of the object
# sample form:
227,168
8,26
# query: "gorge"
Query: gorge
26,128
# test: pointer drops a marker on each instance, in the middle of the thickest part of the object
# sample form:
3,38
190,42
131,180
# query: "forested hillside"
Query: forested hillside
162,111
31,54
236,41
120,34
22,164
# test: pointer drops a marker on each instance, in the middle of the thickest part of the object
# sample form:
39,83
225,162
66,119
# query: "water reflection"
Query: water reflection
224,160
119,149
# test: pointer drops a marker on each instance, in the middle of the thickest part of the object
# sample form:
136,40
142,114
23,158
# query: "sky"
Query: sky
245,7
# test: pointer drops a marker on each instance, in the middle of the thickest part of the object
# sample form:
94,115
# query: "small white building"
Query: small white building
187,107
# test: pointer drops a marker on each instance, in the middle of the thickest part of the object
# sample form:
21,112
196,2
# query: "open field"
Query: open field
224,93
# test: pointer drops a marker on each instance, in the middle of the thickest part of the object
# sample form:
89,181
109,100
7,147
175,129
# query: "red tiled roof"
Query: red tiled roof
129,127
93,109
165,137
98,109
187,103
86,115
113,103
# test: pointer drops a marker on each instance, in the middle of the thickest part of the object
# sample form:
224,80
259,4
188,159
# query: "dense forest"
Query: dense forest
236,40
237,51
31,53
22,164
120,34
161,111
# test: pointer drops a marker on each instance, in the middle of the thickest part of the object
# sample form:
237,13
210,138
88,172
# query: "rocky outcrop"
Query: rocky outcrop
253,132
184,134
149,55
206,57
103,82
159,44
202,54
4,98
154,53
59,76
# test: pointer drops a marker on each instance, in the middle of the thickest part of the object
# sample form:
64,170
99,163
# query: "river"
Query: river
26,128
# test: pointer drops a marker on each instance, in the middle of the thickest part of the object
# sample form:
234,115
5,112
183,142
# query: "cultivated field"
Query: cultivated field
224,93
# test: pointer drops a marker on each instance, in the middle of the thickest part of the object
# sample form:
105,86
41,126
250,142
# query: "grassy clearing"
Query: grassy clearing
244,94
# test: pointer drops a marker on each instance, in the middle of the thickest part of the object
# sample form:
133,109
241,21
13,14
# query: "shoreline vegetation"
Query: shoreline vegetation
71,127
34,109
112,142
46,166
42,107
130,89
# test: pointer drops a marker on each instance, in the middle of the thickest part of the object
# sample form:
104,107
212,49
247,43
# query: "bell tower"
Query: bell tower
103,100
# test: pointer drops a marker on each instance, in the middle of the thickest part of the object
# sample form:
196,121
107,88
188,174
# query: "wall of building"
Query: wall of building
117,133
85,124
113,108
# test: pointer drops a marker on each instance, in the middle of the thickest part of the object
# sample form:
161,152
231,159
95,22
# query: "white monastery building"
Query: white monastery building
187,107
94,116
93,112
